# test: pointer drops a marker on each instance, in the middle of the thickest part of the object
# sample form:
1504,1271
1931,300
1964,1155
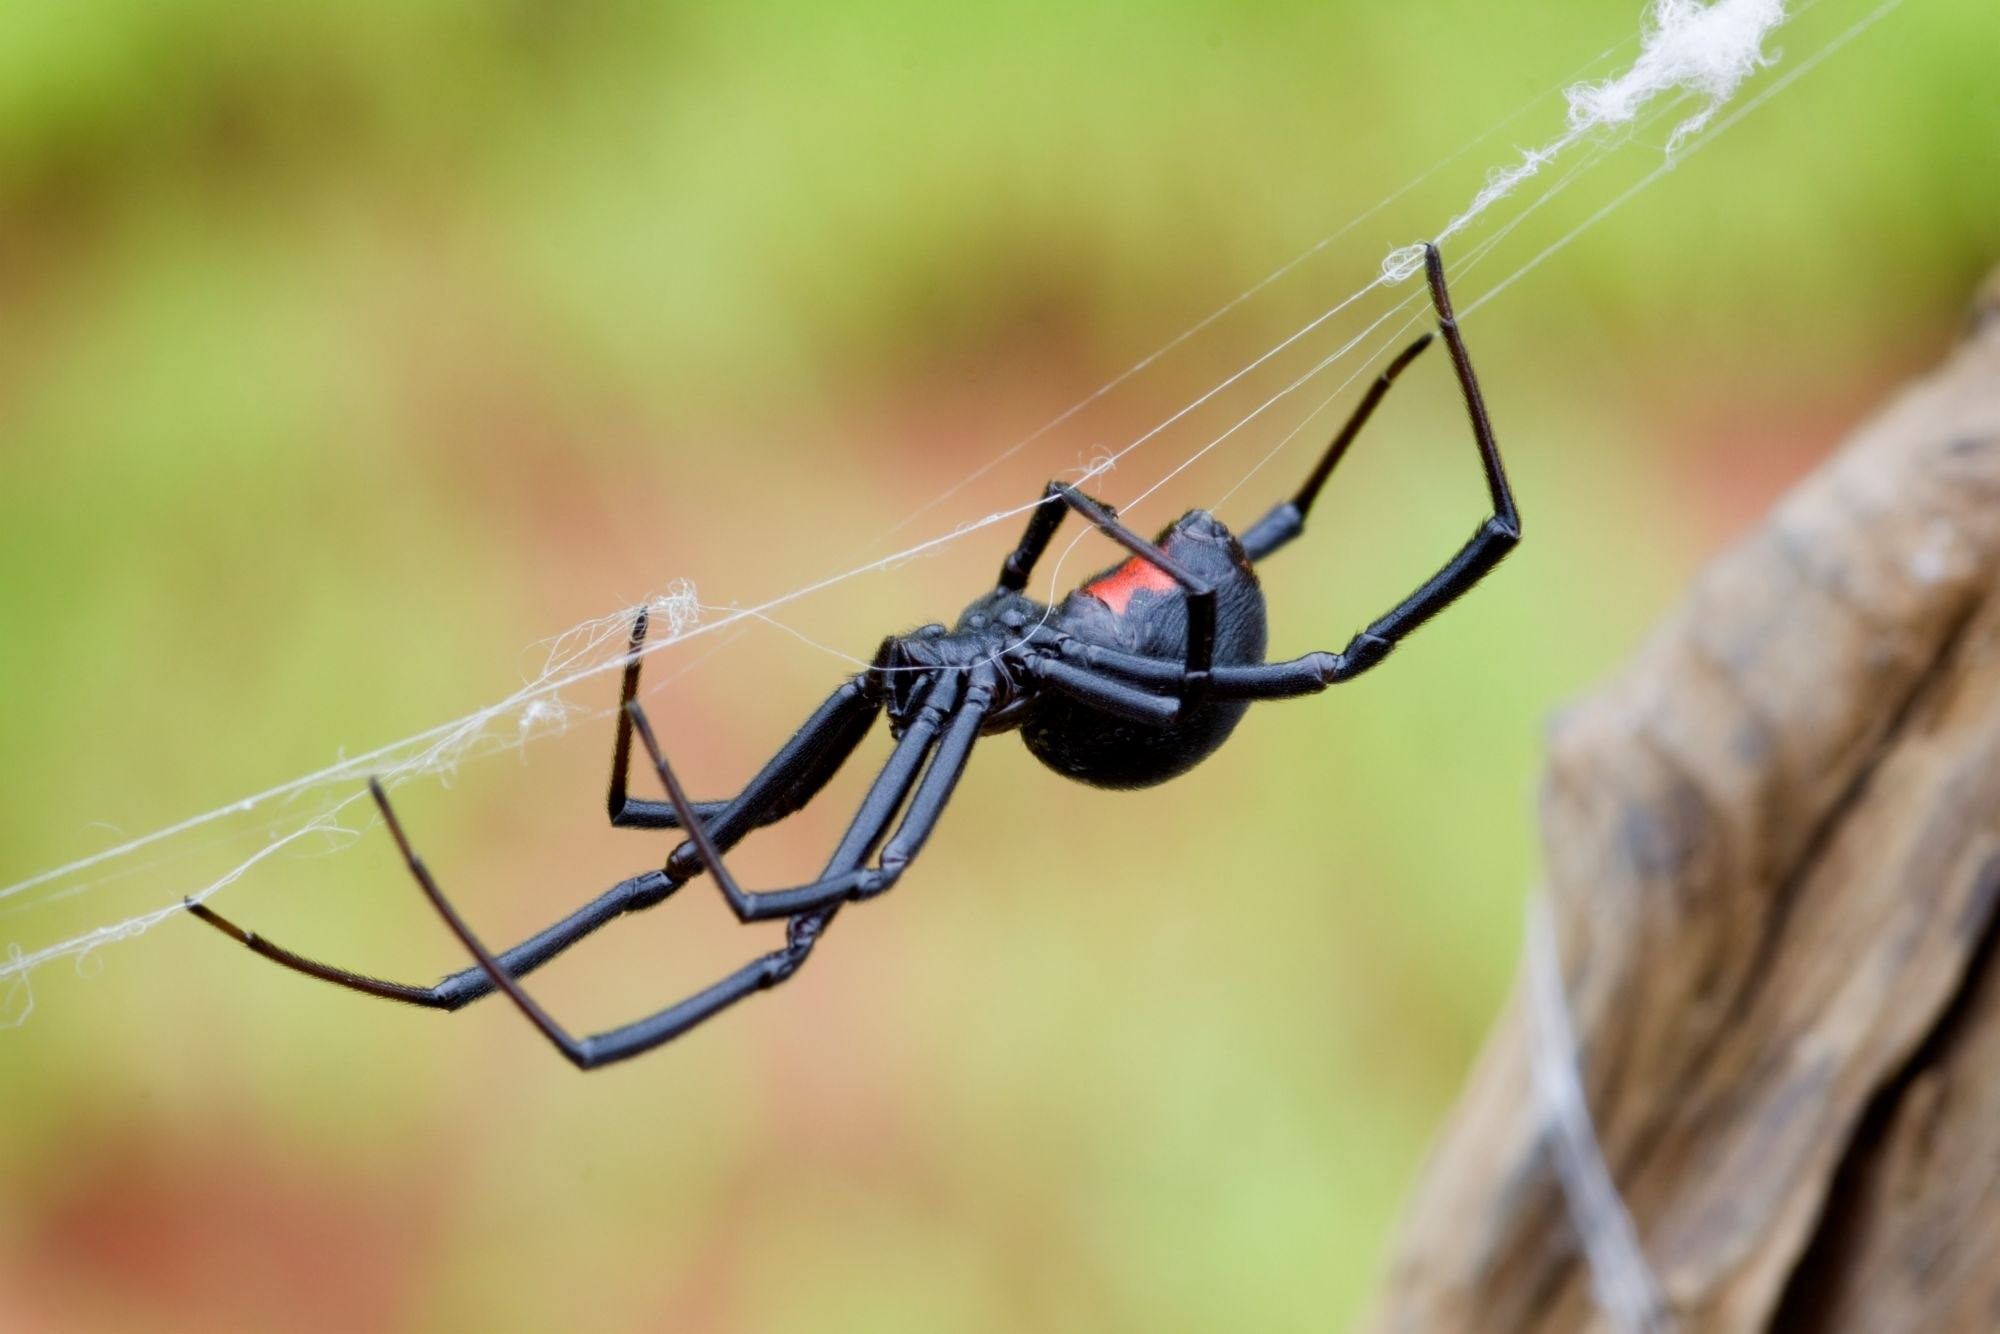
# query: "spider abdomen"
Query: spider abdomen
1134,607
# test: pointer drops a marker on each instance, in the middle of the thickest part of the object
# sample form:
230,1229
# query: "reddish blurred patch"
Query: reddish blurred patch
1736,453
222,1231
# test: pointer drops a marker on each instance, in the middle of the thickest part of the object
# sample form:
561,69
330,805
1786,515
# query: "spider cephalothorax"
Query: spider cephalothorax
1134,678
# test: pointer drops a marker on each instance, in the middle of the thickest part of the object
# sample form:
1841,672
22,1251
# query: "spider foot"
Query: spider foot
203,912
381,797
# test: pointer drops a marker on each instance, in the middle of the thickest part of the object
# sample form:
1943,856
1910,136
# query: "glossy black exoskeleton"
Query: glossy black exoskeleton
1132,679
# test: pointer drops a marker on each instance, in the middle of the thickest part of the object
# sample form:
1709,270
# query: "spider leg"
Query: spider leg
845,878
802,933
885,797
616,1044
631,812
797,773
935,792
1099,675
1494,538
1287,518
468,985
836,743
1043,521
1042,527
1101,690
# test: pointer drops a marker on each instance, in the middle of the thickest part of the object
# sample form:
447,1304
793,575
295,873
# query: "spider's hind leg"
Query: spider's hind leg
1496,535
1287,518
1494,539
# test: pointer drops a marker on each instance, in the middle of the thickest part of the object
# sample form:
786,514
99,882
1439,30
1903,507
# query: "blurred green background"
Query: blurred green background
347,350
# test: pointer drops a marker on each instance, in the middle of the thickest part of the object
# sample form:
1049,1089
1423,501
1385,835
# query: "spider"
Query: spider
1133,679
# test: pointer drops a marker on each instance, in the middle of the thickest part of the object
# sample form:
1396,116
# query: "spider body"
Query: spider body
1135,677
1134,608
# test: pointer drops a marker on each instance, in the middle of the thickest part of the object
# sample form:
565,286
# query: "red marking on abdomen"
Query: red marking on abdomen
1115,590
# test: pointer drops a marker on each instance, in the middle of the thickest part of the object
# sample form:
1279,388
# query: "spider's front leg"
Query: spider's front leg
834,742
812,906
947,721
589,1052
794,775
468,984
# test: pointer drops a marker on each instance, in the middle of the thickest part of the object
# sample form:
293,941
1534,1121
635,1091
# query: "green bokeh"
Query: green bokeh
346,350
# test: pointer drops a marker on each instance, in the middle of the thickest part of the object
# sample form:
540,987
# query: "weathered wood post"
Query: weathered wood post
1772,851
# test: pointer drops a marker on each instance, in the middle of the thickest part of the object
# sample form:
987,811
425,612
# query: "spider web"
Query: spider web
1691,61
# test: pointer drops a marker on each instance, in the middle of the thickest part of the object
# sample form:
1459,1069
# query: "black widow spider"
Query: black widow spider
1133,679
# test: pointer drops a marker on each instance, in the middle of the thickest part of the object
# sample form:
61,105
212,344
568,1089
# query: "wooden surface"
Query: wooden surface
1773,858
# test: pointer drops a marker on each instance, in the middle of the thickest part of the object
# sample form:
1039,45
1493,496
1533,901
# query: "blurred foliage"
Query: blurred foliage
345,350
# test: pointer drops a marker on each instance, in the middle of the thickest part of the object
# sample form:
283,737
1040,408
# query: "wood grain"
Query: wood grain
1772,849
